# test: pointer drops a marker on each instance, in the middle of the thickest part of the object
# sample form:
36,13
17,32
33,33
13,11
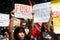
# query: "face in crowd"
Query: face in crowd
21,35
24,24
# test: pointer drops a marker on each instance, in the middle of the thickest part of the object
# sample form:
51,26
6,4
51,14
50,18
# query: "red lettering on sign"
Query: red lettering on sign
25,9
16,7
22,8
56,14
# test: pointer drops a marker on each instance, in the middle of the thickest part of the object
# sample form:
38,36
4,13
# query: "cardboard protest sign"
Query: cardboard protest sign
4,19
23,11
42,12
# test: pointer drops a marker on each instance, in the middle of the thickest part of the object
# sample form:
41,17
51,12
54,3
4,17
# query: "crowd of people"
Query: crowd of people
28,32
37,33
25,32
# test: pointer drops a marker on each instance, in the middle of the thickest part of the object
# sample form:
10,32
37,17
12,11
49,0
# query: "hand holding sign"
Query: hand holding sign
12,12
32,13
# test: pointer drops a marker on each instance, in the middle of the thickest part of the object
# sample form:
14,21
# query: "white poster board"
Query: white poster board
23,11
4,19
42,12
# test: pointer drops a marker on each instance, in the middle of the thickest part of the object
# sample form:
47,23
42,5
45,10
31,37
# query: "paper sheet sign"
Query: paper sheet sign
4,19
23,11
42,12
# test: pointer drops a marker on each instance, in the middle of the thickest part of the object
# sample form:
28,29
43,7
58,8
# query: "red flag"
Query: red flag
30,2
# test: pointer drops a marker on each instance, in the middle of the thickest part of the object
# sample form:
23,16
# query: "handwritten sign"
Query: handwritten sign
23,11
4,19
42,12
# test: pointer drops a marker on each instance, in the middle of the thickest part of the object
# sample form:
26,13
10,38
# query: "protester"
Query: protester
36,32
6,35
6,32
45,35
53,35
51,28
19,33
39,26
26,28
25,31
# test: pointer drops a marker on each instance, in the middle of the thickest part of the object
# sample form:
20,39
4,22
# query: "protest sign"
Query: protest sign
23,11
56,17
42,12
4,19
56,24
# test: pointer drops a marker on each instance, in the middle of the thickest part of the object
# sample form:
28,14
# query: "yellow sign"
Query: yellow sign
55,1
56,24
55,7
